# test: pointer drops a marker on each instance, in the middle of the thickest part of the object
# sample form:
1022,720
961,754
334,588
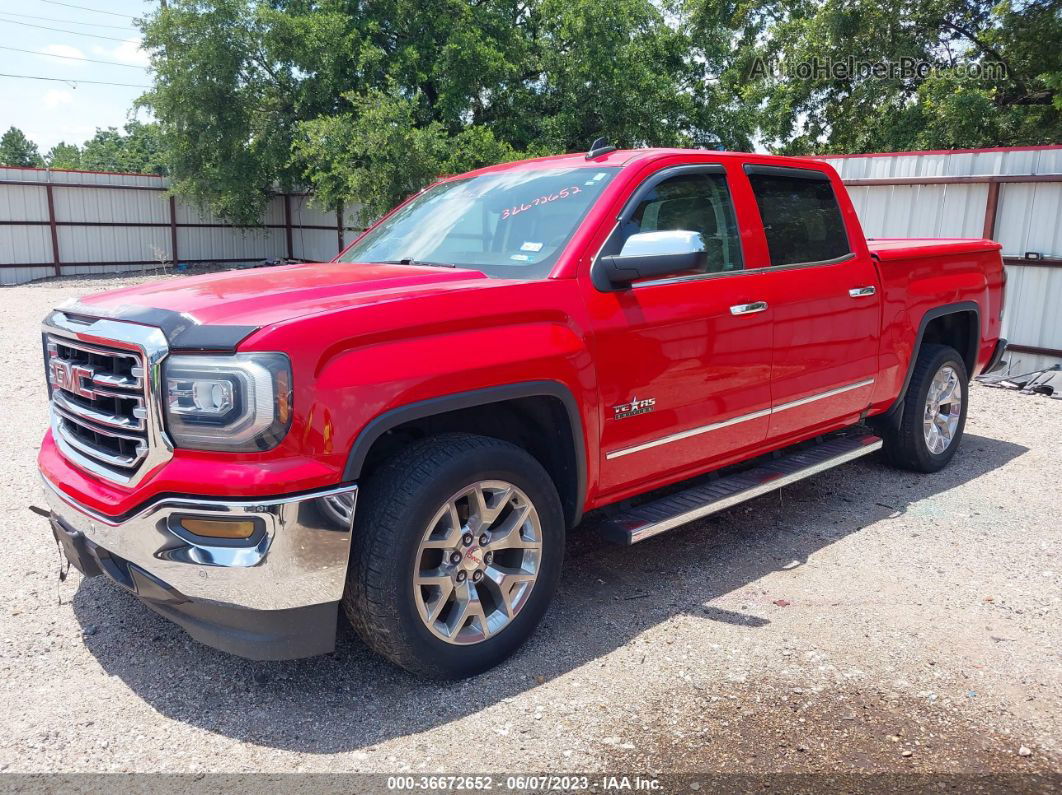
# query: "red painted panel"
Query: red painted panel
679,345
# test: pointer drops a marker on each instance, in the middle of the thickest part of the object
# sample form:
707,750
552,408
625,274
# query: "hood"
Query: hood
262,296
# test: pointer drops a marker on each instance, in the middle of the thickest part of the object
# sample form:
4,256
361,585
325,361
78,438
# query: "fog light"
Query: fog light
219,528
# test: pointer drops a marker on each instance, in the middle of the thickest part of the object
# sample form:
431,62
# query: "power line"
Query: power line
62,30
66,21
86,8
71,80
73,57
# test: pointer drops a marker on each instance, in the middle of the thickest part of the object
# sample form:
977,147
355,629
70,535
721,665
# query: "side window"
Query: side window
801,218
692,203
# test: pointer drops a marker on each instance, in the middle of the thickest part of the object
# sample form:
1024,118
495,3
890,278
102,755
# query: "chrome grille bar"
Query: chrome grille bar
133,421
84,353
71,429
101,377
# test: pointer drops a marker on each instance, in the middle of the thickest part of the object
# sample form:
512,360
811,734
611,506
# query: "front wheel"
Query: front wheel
456,553
934,412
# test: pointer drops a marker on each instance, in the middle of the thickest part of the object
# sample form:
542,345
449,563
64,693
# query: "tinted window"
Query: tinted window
692,203
800,218
509,224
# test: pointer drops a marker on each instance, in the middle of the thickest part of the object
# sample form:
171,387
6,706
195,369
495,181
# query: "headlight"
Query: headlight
236,403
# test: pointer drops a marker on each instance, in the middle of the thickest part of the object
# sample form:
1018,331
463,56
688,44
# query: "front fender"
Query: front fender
365,391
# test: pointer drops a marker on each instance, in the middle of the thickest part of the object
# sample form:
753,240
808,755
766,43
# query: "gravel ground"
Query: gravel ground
866,619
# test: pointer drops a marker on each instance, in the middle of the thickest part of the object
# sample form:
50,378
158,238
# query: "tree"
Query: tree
977,73
232,78
365,102
63,155
253,96
625,69
377,155
18,150
138,150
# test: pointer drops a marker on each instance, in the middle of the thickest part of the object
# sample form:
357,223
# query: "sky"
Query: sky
34,32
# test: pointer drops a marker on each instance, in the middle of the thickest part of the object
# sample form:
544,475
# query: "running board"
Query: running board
666,513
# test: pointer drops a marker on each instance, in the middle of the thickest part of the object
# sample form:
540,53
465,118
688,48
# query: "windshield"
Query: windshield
509,224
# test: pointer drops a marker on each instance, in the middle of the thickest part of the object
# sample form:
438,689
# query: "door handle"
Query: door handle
748,309
861,292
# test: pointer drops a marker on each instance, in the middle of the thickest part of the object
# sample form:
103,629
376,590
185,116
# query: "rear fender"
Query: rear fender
969,356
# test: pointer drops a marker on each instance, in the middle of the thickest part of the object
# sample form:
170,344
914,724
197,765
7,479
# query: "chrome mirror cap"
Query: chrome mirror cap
656,244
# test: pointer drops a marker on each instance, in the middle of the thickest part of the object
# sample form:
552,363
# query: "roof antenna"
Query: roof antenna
599,147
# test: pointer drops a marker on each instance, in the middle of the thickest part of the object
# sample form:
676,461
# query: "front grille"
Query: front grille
99,403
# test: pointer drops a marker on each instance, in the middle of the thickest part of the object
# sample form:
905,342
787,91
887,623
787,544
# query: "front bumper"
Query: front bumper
273,598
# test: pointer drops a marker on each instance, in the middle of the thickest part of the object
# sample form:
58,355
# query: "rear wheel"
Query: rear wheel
934,412
456,554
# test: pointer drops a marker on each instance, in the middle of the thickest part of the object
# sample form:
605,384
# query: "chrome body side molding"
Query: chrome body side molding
714,426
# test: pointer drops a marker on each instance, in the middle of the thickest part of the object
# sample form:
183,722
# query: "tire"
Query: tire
910,444
397,510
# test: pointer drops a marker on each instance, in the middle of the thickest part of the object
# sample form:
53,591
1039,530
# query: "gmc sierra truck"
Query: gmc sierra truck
408,431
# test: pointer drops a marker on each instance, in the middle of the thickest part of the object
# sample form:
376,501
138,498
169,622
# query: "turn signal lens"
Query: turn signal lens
215,528
282,384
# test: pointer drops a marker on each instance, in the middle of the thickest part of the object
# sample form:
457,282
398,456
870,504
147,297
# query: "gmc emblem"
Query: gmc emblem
71,377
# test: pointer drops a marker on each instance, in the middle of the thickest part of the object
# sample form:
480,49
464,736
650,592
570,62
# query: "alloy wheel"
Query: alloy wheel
942,410
339,508
477,562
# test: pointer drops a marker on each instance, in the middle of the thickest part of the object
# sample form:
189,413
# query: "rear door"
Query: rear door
684,380
823,295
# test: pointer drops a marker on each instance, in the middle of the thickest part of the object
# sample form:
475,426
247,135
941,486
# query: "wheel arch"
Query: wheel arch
958,325
548,407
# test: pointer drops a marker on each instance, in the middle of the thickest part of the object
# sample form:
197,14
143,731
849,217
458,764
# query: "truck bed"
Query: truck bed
919,275
896,248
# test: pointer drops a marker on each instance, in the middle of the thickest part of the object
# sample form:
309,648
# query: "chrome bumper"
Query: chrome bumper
298,561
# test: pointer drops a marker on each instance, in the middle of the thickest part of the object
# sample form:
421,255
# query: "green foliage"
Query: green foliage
225,105
63,155
379,155
615,68
367,102
942,107
18,150
138,150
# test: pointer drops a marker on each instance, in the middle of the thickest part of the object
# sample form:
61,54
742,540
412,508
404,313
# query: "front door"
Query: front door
684,370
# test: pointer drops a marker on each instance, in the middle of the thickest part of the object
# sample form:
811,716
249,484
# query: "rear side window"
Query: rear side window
800,215
693,203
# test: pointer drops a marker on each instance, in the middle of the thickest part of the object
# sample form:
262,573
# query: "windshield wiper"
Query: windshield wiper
411,261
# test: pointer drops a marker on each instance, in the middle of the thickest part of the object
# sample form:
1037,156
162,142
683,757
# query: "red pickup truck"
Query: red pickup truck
409,430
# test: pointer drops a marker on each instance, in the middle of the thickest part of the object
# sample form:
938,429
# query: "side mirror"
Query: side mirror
653,254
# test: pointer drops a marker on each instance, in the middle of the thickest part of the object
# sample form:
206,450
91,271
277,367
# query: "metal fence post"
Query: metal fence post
339,225
287,225
991,207
55,231
173,230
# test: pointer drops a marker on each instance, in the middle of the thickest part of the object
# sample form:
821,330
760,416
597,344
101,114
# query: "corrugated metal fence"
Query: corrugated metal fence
75,222
1010,195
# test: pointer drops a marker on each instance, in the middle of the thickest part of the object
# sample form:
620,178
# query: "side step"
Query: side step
666,513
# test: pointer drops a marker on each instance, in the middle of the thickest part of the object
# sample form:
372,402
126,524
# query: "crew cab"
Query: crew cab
406,433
